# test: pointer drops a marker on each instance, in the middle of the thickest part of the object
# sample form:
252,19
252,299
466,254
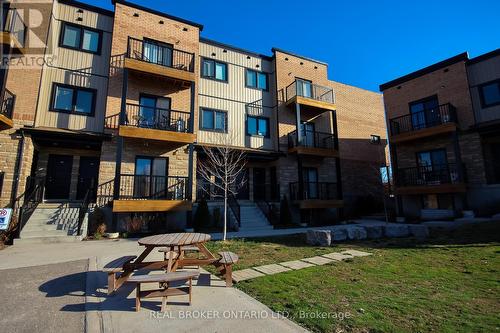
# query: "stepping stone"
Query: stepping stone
296,264
272,269
246,274
318,260
338,256
356,253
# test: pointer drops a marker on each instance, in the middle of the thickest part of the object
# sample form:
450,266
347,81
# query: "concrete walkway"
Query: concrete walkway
254,272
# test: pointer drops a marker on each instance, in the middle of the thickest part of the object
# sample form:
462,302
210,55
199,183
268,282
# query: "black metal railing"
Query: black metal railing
270,211
314,190
153,187
235,207
309,90
84,207
32,196
12,22
160,54
104,195
430,175
443,114
7,105
312,139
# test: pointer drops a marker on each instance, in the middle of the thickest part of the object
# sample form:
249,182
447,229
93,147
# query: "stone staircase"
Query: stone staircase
52,223
252,218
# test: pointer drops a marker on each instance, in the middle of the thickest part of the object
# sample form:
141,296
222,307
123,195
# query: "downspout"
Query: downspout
17,168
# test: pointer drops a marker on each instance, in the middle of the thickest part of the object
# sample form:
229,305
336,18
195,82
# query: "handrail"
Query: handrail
269,211
84,207
31,200
442,114
159,53
312,139
7,105
314,190
316,92
235,207
430,175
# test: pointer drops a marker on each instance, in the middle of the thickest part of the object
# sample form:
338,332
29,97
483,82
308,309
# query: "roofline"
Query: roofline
482,57
274,49
87,7
459,57
234,48
153,11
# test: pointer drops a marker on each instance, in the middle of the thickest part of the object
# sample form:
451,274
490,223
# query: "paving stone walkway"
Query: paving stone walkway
254,272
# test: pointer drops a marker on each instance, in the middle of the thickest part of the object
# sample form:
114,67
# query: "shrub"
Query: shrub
202,216
96,221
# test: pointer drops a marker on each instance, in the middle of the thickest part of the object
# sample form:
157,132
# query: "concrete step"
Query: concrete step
43,233
46,240
252,228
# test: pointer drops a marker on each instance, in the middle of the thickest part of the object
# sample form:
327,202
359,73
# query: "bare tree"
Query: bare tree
222,167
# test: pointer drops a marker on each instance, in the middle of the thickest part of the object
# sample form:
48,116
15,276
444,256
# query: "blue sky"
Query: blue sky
365,43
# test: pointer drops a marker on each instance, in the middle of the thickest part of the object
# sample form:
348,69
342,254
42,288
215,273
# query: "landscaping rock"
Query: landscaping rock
395,230
356,233
420,232
374,232
339,235
319,237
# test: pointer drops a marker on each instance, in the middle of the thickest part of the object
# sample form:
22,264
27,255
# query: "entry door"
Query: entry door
308,134
58,179
433,165
87,176
150,178
311,183
154,111
158,53
259,183
243,193
304,88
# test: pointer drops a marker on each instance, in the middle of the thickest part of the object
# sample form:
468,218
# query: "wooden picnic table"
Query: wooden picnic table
174,242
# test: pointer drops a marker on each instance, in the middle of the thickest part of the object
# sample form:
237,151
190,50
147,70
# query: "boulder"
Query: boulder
339,235
396,230
319,237
356,233
419,231
374,231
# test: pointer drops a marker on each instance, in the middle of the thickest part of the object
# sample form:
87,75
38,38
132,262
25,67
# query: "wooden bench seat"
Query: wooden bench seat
163,292
227,260
114,267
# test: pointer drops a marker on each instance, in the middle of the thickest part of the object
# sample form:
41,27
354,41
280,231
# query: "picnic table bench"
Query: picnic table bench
227,260
113,268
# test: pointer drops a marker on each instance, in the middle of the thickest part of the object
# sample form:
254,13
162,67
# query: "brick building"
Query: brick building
125,101
443,122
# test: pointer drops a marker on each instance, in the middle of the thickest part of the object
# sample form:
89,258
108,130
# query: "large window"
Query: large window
213,120
80,38
490,94
257,80
72,99
425,113
157,52
258,126
215,70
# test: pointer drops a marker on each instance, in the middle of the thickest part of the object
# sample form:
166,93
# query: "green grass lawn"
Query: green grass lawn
447,284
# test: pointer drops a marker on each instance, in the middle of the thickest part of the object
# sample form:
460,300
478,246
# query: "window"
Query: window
80,38
257,80
214,120
157,52
425,113
72,99
150,178
490,94
258,126
214,70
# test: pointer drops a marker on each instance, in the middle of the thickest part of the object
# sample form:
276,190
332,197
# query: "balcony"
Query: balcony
315,195
12,28
160,59
313,143
145,193
442,178
442,119
6,110
144,122
311,97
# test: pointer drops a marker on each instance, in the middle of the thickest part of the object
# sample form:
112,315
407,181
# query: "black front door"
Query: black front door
58,178
87,176
259,183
